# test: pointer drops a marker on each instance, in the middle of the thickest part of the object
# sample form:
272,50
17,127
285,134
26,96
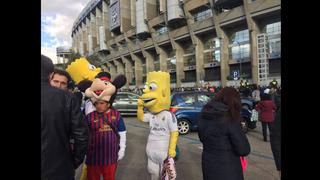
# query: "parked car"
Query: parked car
126,103
187,106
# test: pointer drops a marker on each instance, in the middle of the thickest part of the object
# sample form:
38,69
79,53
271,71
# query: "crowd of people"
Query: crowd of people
80,125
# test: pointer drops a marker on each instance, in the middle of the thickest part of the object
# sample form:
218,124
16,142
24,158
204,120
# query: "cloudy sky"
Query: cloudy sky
57,17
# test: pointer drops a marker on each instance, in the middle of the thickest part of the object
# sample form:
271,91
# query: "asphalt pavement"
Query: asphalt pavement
260,166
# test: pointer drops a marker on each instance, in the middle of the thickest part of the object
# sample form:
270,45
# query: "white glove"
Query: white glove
122,144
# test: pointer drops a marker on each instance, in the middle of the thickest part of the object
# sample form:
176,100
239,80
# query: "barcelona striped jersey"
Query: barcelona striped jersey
104,144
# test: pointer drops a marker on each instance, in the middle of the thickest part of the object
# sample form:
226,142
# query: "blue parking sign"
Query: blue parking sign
236,74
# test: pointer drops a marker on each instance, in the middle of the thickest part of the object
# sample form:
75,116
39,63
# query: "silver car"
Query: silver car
126,103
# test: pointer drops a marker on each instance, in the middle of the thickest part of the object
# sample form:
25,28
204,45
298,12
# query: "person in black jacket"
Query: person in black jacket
222,138
60,119
275,136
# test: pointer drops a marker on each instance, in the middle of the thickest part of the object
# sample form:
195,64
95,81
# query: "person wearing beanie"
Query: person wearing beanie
57,108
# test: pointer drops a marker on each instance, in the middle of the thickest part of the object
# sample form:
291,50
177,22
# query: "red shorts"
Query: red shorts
108,172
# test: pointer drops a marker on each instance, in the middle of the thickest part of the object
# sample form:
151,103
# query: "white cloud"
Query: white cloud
57,18
70,8
50,52
49,49
58,26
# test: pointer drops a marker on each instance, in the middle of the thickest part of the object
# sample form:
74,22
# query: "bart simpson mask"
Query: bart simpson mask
81,69
156,93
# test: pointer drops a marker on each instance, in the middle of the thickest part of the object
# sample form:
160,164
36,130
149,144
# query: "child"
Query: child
107,131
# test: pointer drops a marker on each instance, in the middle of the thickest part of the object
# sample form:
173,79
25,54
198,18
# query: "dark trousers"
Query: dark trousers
264,129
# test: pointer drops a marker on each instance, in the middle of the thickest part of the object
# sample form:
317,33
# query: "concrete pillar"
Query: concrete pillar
75,44
81,47
224,50
149,61
163,56
98,24
199,61
90,44
125,15
163,5
93,32
73,41
254,55
138,70
179,63
84,39
253,30
112,68
224,63
120,66
102,38
89,36
128,70
77,47
133,12
105,20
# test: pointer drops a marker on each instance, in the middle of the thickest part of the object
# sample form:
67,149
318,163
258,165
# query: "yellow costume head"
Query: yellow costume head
81,69
156,93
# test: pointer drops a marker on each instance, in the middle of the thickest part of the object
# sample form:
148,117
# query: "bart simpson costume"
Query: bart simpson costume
163,134
81,69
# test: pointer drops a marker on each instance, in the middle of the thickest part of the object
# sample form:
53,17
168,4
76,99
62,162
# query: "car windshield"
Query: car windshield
121,96
132,96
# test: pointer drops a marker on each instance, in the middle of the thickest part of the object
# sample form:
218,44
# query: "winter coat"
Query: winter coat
223,143
266,110
61,119
275,140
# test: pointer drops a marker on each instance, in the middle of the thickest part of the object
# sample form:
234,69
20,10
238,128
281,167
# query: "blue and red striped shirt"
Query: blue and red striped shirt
103,145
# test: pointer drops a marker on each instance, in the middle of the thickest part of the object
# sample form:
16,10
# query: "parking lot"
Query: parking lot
134,165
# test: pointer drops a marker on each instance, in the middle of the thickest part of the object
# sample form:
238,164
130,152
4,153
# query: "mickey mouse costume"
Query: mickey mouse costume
107,130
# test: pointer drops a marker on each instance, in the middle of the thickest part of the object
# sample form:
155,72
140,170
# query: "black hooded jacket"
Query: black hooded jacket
223,143
61,119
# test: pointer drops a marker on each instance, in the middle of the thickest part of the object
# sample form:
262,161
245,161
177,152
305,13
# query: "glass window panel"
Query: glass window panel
217,55
217,42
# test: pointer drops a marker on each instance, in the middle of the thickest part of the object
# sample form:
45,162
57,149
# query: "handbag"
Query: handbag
243,161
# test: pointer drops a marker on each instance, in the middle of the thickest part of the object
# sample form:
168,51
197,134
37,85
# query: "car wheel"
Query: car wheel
183,126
